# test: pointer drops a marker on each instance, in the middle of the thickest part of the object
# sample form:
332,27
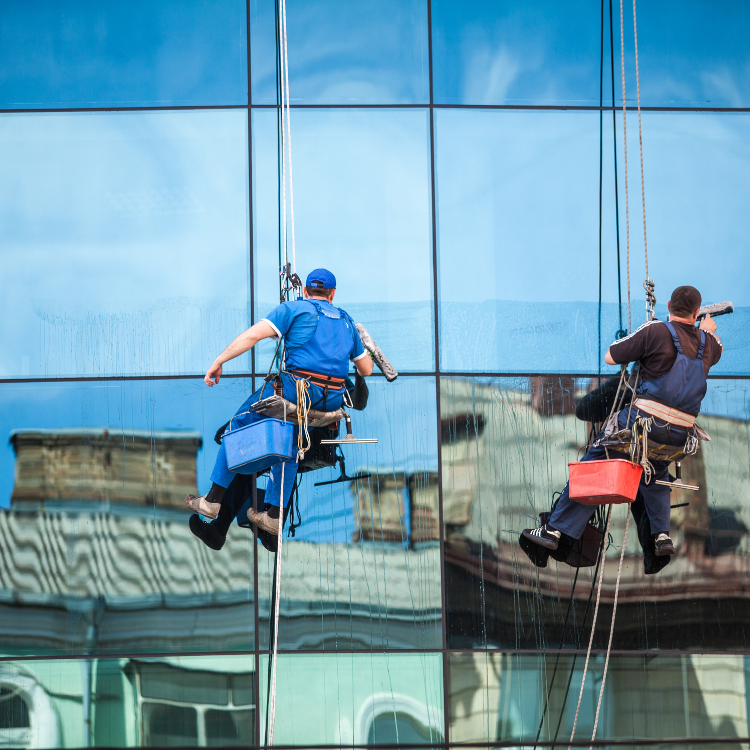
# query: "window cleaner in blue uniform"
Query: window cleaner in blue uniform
674,361
320,341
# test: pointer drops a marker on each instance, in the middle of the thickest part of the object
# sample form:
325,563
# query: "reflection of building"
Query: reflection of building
142,468
505,474
89,571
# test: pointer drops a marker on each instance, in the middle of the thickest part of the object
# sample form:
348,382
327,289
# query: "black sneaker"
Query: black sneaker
207,532
543,536
538,555
664,546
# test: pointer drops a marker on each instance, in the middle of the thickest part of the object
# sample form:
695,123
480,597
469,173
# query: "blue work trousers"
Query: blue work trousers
571,517
221,474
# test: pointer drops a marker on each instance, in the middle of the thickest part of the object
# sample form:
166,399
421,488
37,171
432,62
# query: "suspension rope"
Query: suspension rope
612,626
276,599
620,332
601,165
288,136
591,638
625,157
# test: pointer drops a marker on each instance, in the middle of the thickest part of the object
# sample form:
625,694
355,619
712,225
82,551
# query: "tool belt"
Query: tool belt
328,382
664,412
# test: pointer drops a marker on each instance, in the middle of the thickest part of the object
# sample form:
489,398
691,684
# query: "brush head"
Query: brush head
718,308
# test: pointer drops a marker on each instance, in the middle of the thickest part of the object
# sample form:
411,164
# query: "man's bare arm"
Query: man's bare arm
363,366
243,343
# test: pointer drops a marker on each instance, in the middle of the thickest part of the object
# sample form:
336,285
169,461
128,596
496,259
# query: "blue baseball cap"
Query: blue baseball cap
321,279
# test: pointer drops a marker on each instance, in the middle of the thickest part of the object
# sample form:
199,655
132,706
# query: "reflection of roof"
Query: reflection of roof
128,563
108,431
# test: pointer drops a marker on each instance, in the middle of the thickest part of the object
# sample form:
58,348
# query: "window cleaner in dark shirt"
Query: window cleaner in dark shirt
320,340
674,361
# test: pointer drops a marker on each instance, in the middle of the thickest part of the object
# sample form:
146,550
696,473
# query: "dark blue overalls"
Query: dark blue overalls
683,388
326,354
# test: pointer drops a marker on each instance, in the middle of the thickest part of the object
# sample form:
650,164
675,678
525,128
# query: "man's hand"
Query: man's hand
708,324
212,375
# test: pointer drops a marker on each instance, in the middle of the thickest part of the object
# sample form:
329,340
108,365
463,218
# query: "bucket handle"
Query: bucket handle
229,428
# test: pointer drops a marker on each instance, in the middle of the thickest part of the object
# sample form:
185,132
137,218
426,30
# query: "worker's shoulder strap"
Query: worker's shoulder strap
676,340
329,311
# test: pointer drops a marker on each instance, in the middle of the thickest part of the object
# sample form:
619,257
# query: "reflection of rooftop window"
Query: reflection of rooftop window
186,707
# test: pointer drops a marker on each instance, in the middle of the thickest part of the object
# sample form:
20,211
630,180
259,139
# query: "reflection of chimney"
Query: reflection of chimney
552,395
380,512
151,468
423,502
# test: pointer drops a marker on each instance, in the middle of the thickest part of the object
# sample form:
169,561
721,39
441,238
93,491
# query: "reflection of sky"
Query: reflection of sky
362,209
691,53
125,241
122,406
85,53
402,416
518,195
368,52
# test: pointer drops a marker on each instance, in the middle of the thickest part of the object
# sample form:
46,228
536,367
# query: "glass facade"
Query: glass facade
460,168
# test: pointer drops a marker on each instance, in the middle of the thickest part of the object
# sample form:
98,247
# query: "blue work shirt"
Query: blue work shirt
298,323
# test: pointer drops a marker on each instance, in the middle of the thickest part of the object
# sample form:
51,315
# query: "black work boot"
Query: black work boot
664,545
543,536
538,555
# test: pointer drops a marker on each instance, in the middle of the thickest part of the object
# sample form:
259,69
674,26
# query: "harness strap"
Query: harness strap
675,337
702,345
664,412
328,382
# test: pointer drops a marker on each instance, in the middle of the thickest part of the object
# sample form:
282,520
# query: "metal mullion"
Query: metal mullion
436,324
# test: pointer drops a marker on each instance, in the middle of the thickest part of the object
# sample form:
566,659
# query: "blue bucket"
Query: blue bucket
259,446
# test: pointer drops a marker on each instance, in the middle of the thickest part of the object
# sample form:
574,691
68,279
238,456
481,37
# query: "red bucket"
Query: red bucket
614,480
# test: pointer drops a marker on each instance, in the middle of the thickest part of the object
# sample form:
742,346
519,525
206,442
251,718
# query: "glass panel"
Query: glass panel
371,52
140,54
518,198
98,556
345,698
519,191
690,54
362,209
363,570
501,696
125,242
538,52
506,444
696,173
56,695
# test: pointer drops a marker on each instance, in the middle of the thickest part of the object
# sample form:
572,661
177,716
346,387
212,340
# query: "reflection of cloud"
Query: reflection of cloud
489,75
155,202
721,85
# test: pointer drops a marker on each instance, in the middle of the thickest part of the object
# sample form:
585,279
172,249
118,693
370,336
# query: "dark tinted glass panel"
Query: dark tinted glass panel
365,53
172,684
540,52
169,726
691,54
506,445
229,728
125,242
98,473
346,695
89,54
501,696
363,570
362,210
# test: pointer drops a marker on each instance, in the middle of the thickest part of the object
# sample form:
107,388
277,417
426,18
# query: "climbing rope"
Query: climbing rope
290,282
625,158
648,285
612,625
277,599
591,638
